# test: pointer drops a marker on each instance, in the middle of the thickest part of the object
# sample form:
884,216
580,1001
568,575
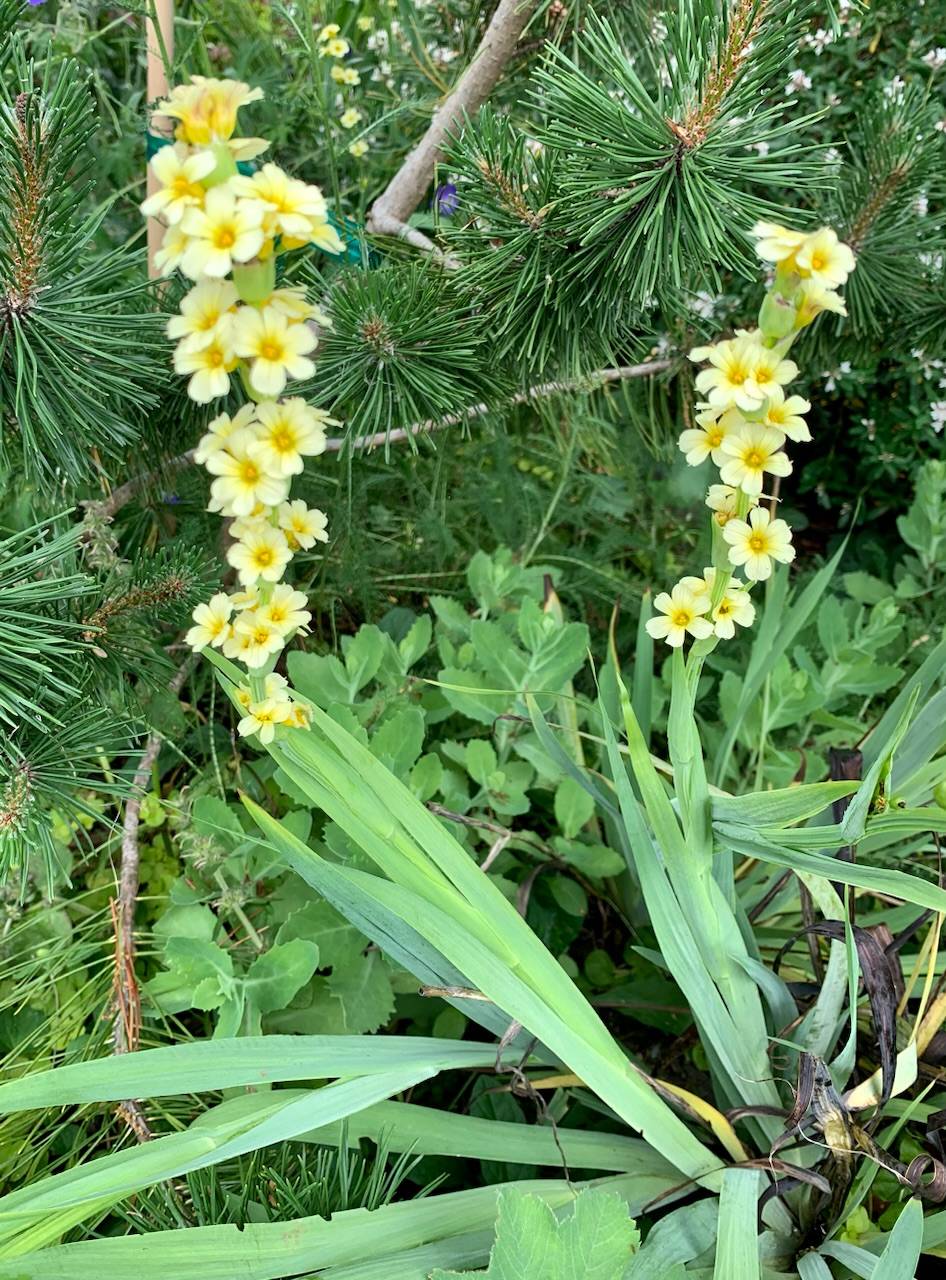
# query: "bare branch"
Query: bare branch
106,508
390,212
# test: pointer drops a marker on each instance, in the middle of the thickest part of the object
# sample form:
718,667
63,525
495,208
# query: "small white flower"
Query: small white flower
798,82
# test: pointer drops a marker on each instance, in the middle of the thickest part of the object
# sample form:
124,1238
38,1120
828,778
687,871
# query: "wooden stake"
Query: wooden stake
160,45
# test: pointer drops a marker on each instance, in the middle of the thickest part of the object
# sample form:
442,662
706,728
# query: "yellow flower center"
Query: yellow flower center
225,238
757,542
264,557
263,717
260,635
681,617
754,460
284,441
249,472
271,350
817,261
277,613
714,437
724,608
181,187
214,357
737,377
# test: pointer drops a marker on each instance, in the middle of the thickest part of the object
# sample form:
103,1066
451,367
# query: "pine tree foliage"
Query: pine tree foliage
893,165
404,347
79,348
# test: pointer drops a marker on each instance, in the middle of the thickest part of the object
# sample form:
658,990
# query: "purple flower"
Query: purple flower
446,199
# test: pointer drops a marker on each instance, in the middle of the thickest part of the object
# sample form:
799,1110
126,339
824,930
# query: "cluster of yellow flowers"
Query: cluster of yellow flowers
332,44
224,231
743,424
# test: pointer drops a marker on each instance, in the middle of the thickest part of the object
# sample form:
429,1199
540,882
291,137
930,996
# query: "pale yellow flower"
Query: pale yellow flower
706,440
242,481
329,31
285,610
682,613
813,298
262,552
775,243
179,172
206,109
205,311
173,247
303,526
751,453
262,718
337,47
348,119
825,259
358,149
756,543
289,430
721,500
212,623
364,23
290,206
227,230
294,305
771,371
345,75
300,715
275,348
261,638
210,367
735,606
784,414
731,379
219,431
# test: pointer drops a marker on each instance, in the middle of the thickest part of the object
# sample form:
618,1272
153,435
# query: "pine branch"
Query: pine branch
390,212
745,21
108,508
26,241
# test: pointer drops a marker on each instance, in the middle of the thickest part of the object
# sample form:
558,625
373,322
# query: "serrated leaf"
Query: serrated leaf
279,973
363,988
596,1241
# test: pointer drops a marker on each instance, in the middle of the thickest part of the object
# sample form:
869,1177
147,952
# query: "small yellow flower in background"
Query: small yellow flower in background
784,414
173,247
683,613
276,348
205,311
329,31
243,696
365,23
219,431
212,623
241,481
815,298
345,75
735,607
775,243
751,452
224,232
348,119
721,500
262,552
358,149
248,599
825,259
289,430
179,173
285,610
755,543
337,47
731,379
210,367
262,718
275,685
259,638
304,526
206,109
706,440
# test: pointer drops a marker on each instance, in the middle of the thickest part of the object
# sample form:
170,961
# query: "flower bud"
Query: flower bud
939,793
255,281
225,167
776,316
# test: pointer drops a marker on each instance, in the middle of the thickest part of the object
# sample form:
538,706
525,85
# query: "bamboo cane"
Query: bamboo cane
159,38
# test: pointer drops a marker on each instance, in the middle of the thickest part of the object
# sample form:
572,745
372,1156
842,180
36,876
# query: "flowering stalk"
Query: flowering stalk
224,231
743,425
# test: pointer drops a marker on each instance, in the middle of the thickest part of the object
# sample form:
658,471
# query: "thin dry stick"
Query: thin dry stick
118,498
126,996
159,42
390,212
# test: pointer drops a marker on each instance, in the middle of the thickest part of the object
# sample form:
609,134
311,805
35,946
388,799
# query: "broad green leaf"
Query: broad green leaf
902,1250
595,1241
780,808
363,989
275,976
679,1238
573,807
213,1064
737,1240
